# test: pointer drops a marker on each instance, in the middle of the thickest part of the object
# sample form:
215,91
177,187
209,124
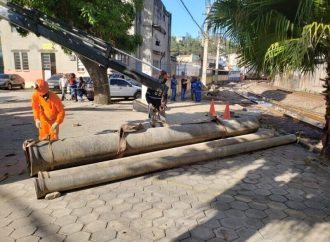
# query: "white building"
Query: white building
35,57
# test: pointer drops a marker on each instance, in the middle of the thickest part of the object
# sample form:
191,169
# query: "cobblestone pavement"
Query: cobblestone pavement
269,195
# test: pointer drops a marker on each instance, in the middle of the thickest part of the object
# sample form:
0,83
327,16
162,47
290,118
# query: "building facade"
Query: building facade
35,57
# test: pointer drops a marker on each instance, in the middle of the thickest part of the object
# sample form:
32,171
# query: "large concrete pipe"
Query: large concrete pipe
68,152
103,172
261,134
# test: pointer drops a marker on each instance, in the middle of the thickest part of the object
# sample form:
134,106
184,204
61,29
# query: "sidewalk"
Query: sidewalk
269,195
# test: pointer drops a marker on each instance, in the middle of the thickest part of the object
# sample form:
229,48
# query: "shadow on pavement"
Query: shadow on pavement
270,195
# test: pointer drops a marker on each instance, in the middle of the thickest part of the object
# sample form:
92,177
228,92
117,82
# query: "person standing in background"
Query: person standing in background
63,85
184,83
173,88
192,87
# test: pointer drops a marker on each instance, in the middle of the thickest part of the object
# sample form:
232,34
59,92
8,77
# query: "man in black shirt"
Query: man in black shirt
184,83
157,100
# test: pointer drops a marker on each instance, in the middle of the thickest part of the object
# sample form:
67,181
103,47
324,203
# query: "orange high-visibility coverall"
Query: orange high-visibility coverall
48,112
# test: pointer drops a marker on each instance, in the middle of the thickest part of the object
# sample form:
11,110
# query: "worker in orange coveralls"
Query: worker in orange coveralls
48,111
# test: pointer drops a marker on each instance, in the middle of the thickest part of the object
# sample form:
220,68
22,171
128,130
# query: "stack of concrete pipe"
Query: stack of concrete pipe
123,168
69,152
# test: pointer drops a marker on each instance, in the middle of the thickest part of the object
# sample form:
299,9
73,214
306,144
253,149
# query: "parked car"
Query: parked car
9,81
118,88
54,82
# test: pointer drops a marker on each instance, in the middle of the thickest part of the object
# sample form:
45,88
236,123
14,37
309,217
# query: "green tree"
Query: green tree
109,20
278,36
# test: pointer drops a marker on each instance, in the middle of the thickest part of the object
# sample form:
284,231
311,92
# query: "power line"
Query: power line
184,5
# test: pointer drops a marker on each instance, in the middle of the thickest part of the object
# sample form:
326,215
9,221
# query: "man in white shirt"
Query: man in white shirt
63,84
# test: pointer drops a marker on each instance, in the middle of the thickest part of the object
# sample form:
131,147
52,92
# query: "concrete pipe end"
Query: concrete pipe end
40,193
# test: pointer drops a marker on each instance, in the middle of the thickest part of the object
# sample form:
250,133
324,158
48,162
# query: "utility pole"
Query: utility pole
217,58
205,42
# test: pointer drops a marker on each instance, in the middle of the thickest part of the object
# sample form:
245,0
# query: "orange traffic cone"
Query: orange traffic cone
212,109
226,113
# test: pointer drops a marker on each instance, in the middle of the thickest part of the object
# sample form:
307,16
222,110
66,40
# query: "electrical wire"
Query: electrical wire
192,17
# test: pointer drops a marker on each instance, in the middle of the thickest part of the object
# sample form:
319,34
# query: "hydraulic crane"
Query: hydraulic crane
76,40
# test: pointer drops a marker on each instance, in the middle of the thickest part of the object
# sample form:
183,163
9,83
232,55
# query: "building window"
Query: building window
80,65
21,60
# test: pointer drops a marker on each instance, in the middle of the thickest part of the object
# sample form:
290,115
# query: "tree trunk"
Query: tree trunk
326,131
99,76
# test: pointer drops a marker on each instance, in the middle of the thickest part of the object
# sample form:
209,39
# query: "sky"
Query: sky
181,21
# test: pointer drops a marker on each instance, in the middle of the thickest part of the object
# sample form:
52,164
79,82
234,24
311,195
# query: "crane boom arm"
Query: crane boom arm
93,48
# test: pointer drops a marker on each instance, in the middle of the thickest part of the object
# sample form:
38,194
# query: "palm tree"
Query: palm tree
279,35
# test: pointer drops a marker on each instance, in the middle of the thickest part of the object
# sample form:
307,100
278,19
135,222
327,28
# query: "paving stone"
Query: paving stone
202,233
61,212
243,198
104,235
263,192
233,223
6,231
119,224
190,240
4,222
162,205
153,233
71,228
47,230
30,238
7,239
279,191
251,180
253,223
102,209
239,205
277,198
297,214
88,218
23,231
95,203
248,234
209,223
95,226
296,205
152,213
79,236
234,213
275,214
58,205
181,205
69,219
220,205
258,205
185,222
173,213
122,207
109,216
163,222
314,204
255,213
177,233
317,213
141,223
294,197
225,234
81,211
77,204
52,238
128,234
133,200
16,214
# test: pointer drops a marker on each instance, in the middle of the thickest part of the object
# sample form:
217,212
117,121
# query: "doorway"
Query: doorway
48,63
